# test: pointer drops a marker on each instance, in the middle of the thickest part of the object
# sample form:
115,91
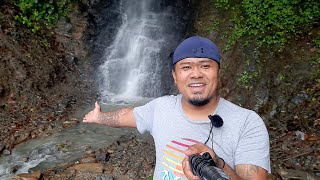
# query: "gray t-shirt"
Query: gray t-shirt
243,138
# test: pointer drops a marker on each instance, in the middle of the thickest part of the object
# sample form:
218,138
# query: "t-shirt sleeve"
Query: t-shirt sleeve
144,116
254,146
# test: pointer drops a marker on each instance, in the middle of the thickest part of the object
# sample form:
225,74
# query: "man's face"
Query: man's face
197,79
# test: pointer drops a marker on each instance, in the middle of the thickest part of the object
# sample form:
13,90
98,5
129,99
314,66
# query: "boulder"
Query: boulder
28,176
88,160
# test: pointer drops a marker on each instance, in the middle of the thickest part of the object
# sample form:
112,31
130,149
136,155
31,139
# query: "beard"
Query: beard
199,101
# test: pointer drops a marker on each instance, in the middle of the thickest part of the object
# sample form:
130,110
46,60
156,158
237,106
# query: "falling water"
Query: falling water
135,62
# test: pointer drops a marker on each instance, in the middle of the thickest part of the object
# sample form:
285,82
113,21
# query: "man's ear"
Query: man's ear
174,76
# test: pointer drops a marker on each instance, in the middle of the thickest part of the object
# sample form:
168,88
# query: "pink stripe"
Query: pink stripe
181,144
191,140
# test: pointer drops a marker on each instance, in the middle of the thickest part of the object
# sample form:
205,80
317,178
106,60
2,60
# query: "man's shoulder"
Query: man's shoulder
230,105
227,105
168,99
242,115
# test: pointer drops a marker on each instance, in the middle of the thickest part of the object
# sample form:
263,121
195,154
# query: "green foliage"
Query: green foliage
238,31
247,78
215,25
271,22
223,4
316,41
316,64
41,14
282,77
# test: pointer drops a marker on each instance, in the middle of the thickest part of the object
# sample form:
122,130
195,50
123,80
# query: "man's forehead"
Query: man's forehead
195,60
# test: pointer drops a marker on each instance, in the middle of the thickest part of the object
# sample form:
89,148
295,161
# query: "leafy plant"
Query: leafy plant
215,25
271,22
316,41
246,78
41,14
281,77
223,4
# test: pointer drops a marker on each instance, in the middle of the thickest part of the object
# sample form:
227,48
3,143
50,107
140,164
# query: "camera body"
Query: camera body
204,167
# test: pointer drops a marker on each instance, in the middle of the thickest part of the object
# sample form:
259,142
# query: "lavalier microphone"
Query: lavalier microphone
216,120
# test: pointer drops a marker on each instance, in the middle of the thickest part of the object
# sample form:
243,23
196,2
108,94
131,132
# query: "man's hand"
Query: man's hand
93,116
121,118
187,170
242,171
198,148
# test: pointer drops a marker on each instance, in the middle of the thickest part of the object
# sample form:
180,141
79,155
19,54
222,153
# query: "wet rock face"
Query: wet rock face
2,146
36,76
281,86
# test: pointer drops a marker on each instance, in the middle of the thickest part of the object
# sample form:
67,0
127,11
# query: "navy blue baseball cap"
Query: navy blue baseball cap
196,47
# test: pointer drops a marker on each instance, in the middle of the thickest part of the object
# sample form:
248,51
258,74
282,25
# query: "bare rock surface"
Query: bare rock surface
130,157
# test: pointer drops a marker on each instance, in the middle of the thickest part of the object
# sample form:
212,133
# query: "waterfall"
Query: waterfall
136,62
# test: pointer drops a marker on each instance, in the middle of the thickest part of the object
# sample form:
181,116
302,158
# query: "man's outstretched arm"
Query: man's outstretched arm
120,118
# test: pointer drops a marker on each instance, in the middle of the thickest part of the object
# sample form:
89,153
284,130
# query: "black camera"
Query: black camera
204,167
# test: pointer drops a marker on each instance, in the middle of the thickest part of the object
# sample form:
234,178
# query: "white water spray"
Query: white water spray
132,66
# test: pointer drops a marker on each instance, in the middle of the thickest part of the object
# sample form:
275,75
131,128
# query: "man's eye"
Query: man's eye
206,66
186,67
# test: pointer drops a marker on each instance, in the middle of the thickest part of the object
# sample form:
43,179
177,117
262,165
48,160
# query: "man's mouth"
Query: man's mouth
197,85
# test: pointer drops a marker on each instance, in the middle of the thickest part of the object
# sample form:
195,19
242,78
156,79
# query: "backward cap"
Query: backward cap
196,47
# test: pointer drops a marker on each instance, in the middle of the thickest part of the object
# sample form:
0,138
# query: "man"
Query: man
179,124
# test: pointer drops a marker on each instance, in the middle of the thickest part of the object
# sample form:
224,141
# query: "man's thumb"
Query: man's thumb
97,106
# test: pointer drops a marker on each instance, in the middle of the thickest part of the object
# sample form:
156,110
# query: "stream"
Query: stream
132,46
65,146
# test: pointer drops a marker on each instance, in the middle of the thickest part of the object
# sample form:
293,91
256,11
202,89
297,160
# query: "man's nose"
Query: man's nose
196,72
